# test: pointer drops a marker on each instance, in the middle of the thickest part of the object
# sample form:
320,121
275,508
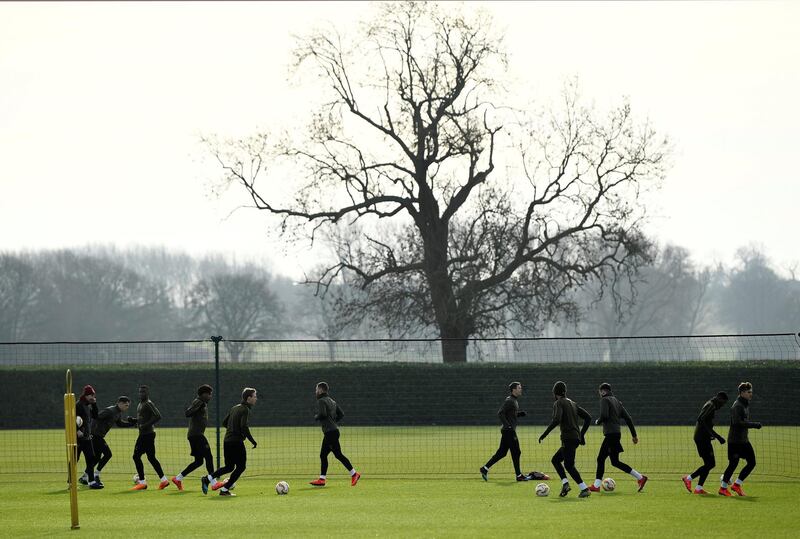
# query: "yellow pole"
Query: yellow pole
70,428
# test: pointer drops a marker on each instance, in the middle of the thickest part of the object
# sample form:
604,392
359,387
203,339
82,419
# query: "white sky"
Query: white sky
102,105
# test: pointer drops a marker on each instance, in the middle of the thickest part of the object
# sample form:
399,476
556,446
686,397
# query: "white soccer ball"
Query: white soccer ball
609,484
542,489
79,421
135,478
282,487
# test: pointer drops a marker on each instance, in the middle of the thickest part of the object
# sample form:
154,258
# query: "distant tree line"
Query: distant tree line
104,293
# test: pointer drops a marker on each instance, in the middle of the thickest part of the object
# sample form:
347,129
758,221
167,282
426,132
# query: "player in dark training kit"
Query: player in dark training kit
108,417
237,425
147,415
738,442
328,415
565,415
198,444
611,411
508,414
86,410
703,434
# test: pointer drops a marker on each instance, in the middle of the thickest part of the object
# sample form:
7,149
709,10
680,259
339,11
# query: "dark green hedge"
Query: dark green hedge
410,394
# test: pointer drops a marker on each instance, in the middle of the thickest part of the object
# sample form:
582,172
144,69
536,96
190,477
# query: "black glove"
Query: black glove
255,444
522,413
132,420
757,426
541,438
721,440
583,441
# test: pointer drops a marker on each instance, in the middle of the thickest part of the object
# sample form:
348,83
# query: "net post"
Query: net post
70,430
216,340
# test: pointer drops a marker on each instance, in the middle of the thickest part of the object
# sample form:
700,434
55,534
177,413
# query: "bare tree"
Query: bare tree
668,297
20,292
86,297
237,305
756,299
413,136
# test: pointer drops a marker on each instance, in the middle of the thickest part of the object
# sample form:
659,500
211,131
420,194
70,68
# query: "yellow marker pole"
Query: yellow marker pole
70,429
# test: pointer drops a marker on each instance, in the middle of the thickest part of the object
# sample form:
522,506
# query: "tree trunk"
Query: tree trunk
454,350
234,351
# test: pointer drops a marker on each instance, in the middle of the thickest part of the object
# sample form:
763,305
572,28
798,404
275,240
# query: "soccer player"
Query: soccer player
198,444
738,443
328,415
611,410
237,425
147,415
112,415
703,434
565,414
508,414
86,409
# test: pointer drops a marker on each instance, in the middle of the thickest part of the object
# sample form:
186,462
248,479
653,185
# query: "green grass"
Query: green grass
389,502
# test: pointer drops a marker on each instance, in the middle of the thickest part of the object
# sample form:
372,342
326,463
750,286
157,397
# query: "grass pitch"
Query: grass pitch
390,502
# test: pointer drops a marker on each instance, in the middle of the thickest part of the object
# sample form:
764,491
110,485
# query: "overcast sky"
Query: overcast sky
102,105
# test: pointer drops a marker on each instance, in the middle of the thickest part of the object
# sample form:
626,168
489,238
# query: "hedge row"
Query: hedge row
406,394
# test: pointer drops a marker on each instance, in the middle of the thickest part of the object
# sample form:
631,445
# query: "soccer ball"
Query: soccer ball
609,484
79,421
542,489
282,487
135,478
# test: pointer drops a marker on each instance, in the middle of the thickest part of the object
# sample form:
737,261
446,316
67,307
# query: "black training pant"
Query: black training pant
85,447
235,461
611,447
201,451
146,445
508,442
330,444
566,455
706,452
101,451
736,452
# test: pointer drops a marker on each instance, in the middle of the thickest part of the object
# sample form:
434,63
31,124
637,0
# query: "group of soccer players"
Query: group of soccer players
94,426
567,413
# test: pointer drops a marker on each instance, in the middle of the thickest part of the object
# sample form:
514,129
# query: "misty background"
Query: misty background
108,293
114,224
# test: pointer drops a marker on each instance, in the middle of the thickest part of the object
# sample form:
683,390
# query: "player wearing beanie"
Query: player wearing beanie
86,409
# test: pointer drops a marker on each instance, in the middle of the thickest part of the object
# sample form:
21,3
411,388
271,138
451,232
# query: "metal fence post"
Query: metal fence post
216,340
